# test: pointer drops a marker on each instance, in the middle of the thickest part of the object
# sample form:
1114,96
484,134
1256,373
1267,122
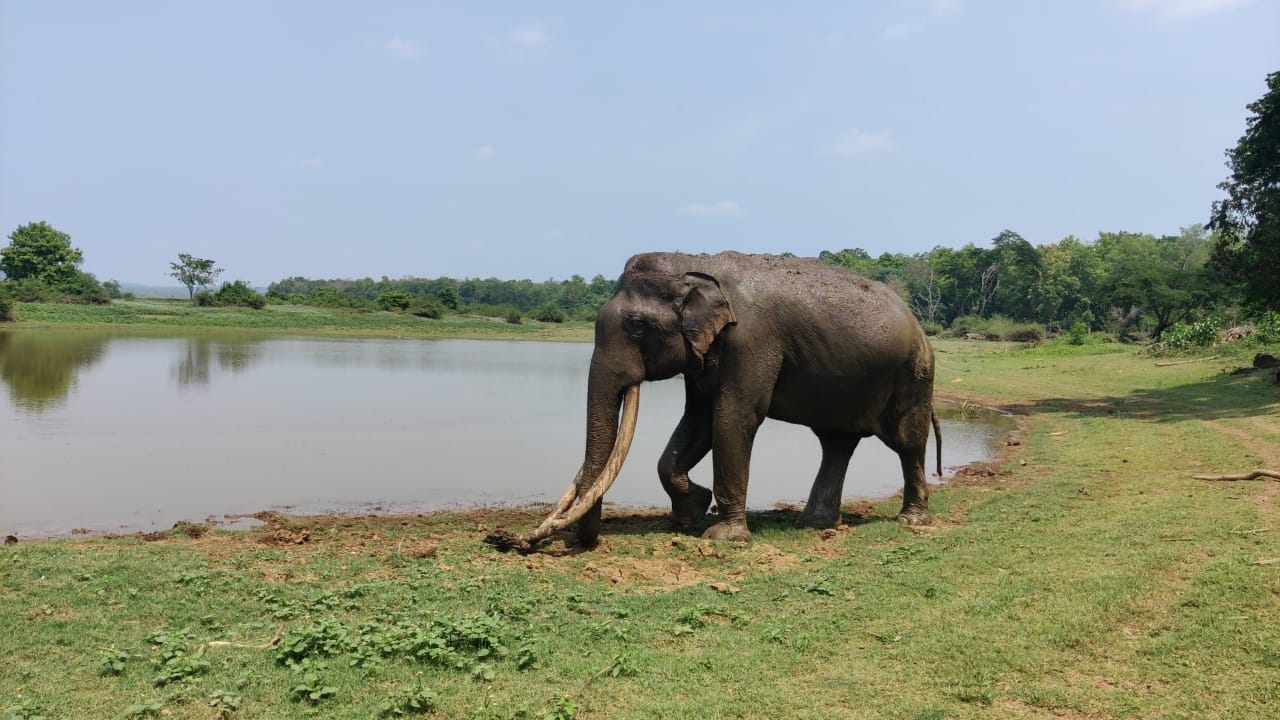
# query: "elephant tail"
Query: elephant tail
937,436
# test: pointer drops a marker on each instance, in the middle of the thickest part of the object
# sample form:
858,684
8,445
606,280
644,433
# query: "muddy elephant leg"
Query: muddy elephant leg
733,434
911,441
690,442
915,490
823,508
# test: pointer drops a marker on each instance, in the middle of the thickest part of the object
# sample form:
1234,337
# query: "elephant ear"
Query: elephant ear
704,312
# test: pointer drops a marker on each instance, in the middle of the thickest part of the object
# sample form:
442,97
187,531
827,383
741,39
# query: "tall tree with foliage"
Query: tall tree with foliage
1162,279
1012,276
42,252
1248,221
194,272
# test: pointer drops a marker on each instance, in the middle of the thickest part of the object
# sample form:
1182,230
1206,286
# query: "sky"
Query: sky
544,139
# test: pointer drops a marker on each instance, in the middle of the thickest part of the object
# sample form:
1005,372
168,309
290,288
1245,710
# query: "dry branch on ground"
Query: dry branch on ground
1255,475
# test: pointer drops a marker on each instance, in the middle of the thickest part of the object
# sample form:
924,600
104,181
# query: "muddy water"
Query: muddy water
111,431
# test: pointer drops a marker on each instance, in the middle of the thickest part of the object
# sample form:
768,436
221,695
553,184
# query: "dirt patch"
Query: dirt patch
1017,708
667,573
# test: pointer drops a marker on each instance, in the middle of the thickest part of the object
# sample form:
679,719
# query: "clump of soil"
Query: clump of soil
285,536
180,529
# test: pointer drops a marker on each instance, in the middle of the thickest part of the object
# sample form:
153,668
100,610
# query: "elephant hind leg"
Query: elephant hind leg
915,490
823,508
911,441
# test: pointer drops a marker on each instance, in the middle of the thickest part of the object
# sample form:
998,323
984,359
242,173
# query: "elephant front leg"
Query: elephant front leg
690,442
733,437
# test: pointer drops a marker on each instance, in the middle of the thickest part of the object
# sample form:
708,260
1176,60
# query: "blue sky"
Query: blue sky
536,140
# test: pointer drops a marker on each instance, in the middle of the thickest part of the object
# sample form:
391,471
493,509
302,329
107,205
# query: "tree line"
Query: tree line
1126,282
575,298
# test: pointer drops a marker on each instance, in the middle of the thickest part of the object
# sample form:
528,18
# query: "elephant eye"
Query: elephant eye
634,326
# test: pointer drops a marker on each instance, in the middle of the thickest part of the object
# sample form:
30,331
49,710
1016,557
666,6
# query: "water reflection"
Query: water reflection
195,364
42,367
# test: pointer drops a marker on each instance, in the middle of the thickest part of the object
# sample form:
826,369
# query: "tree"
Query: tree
1066,288
924,288
1248,221
42,252
448,297
1014,272
1162,278
392,300
194,272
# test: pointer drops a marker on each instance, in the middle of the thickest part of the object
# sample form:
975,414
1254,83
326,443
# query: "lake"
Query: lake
112,431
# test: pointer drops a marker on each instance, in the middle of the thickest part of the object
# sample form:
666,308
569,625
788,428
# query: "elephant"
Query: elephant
755,337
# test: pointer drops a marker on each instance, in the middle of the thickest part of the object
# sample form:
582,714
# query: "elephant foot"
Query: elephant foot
689,509
731,531
915,516
818,519
589,528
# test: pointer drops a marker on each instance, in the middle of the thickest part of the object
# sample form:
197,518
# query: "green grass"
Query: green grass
158,313
1092,577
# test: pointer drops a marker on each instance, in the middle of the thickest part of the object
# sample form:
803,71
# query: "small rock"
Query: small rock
1263,361
10,539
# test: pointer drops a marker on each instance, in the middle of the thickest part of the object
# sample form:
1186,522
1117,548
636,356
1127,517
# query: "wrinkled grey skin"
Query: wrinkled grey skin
761,336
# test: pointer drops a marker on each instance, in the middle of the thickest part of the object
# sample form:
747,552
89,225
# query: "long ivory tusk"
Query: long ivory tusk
567,513
566,500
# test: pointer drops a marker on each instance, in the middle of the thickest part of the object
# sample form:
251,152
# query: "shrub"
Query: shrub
6,305
513,317
112,288
393,300
931,328
238,293
1078,334
427,308
73,287
1182,337
1202,333
493,311
1023,333
30,290
548,313
328,297
1267,329
81,287
966,324
998,327
231,294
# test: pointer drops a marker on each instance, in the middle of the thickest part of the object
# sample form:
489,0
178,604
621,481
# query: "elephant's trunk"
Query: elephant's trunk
609,441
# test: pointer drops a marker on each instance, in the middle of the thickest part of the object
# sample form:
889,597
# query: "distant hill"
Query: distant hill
164,291
155,291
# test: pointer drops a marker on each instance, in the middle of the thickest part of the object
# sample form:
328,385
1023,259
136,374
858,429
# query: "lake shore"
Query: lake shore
169,315
1084,574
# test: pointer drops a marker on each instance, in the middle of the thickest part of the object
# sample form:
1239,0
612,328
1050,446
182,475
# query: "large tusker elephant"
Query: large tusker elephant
755,336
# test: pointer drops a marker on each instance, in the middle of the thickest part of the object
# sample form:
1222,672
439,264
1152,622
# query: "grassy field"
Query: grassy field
1083,575
294,319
